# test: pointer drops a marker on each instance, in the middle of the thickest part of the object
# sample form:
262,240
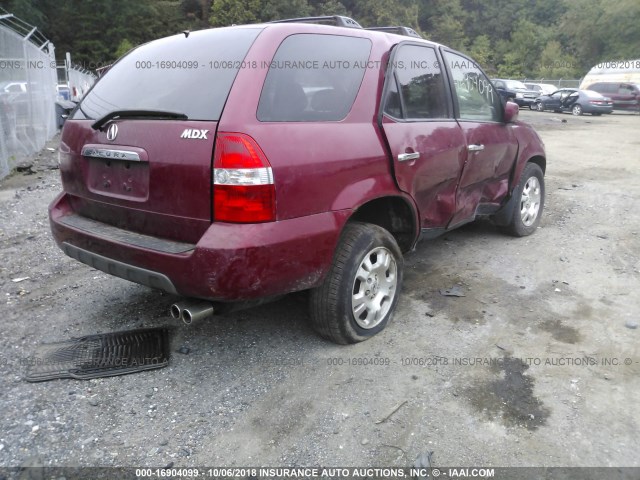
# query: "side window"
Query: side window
625,90
313,78
392,106
417,90
477,99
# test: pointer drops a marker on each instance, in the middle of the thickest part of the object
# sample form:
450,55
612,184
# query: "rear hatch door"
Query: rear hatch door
137,152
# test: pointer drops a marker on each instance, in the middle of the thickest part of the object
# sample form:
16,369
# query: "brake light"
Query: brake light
244,191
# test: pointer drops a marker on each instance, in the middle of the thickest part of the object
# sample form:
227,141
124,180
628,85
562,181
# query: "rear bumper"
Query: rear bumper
588,108
119,269
230,262
623,105
525,102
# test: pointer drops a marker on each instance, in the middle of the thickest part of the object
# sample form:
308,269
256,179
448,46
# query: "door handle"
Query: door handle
403,157
475,148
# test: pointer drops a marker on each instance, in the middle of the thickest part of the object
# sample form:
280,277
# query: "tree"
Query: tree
28,10
230,12
514,38
443,21
124,47
327,7
598,30
554,63
482,53
378,13
521,52
278,10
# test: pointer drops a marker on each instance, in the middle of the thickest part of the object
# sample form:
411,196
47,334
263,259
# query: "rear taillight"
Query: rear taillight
243,190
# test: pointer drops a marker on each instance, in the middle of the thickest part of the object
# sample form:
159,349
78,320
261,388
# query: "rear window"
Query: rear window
190,75
604,87
313,78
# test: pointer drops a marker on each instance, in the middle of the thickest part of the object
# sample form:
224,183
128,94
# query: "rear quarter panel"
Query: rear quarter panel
317,166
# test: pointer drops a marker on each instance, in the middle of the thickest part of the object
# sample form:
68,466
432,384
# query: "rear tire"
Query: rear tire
529,195
576,110
359,296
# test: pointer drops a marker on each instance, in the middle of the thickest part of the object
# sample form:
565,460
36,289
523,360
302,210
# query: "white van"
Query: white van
620,71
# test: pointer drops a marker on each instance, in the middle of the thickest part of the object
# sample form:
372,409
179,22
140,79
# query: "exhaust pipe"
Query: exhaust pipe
176,310
189,312
197,311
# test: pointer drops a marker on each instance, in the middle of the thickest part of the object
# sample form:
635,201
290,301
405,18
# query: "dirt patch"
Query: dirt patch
509,398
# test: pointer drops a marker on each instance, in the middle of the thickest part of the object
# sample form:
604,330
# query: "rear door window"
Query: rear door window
184,74
625,90
418,75
608,88
476,97
313,78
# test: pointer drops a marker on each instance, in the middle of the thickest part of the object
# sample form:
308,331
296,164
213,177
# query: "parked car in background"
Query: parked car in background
515,91
625,96
575,101
64,93
276,180
613,71
541,88
506,94
13,87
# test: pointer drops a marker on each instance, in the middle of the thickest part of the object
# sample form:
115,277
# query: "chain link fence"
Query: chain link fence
29,89
80,81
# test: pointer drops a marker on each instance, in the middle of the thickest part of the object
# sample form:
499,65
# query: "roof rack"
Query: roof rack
406,31
337,20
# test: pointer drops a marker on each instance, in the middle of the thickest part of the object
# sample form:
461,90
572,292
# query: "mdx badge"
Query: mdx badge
112,132
194,133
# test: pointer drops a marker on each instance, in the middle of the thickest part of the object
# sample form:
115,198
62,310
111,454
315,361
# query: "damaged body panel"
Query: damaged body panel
246,174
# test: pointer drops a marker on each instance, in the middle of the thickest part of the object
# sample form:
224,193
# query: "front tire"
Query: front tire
359,296
576,110
529,195
539,107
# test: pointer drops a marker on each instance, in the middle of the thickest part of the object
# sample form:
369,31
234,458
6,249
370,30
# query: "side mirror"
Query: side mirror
511,111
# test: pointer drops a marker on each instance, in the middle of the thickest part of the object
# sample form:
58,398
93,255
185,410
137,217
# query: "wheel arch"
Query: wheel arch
540,161
393,213
503,215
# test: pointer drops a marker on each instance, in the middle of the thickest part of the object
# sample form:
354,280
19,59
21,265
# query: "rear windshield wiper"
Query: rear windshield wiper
137,114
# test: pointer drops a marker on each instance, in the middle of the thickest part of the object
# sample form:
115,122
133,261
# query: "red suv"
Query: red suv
238,164
625,96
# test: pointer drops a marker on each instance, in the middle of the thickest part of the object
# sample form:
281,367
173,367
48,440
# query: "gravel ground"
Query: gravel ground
536,365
